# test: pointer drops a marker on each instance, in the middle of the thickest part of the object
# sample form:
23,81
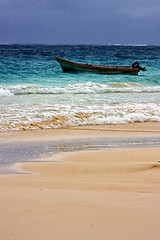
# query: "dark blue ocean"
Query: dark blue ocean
36,94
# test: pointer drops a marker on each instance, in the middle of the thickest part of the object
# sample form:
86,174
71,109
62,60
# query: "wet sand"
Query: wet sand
92,131
112,194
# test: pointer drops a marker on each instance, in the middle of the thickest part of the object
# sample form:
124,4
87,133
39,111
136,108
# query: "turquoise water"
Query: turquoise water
35,93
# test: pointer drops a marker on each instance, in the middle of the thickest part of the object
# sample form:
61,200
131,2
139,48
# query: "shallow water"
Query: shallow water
17,152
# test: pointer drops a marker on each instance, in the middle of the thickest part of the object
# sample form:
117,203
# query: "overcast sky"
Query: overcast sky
80,21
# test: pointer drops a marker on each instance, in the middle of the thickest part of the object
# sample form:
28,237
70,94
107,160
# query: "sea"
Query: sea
36,94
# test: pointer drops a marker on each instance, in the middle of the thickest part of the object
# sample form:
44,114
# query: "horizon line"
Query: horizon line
83,44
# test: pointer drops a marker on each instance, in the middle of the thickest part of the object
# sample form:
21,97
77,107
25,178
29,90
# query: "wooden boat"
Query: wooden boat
69,66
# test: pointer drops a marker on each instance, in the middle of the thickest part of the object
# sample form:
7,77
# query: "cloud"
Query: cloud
135,8
142,9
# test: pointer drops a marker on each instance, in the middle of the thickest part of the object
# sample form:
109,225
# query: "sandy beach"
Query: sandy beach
107,194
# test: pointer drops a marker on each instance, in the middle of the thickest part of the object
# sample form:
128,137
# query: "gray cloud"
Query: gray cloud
145,7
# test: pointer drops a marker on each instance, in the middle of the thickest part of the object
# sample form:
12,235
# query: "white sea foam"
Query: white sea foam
77,104
79,88
56,116
5,92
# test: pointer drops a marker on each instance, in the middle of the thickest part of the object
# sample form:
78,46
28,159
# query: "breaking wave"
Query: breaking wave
79,88
59,116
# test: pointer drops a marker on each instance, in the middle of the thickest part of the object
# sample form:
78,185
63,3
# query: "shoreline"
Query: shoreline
131,129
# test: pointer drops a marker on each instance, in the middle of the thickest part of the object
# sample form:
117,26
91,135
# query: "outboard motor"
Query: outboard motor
136,65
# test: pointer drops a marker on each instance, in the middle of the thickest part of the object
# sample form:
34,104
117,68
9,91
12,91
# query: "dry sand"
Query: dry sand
86,195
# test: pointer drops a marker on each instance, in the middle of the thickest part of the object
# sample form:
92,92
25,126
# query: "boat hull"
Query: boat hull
69,66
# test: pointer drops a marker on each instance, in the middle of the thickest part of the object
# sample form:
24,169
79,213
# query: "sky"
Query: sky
80,21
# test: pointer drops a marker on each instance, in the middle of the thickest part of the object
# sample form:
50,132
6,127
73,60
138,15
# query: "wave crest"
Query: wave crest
79,88
4,92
